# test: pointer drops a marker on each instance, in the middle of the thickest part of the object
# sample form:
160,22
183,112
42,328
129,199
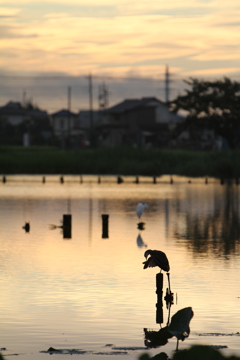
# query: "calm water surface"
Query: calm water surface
89,291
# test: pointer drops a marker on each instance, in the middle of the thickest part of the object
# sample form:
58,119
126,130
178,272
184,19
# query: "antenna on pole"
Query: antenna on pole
103,97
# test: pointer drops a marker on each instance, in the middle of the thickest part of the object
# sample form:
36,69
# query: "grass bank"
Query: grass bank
122,161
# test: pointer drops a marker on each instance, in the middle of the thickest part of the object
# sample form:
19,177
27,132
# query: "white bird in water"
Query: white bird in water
140,209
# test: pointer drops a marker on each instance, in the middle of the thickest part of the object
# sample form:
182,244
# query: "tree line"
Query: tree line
213,105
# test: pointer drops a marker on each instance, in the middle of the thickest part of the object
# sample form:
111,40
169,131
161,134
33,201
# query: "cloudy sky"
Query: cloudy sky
115,39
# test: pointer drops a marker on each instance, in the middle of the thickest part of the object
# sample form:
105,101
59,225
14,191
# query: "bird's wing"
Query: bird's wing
161,260
149,263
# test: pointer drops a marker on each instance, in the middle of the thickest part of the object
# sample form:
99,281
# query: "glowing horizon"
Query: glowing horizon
120,39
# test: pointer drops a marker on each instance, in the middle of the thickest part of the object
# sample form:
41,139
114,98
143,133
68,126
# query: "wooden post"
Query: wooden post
43,180
137,180
67,226
154,180
159,292
4,179
171,180
61,179
119,180
105,218
99,180
206,180
81,180
222,181
26,227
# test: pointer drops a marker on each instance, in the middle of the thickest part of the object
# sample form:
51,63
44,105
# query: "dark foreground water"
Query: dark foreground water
87,293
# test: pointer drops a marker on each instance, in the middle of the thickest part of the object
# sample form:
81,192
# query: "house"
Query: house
66,127
193,138
137,122
14,113
24,124
88,118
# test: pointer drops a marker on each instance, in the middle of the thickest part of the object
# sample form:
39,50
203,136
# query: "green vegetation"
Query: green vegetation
122,161
196,352
213,105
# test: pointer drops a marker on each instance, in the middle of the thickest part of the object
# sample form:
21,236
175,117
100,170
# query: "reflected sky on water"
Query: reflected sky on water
89,291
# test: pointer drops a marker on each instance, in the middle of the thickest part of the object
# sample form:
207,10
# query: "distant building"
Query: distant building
20,122
193,138
137,122
14,113
66,127
88,118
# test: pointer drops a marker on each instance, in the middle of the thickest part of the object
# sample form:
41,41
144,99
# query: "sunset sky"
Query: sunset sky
120,38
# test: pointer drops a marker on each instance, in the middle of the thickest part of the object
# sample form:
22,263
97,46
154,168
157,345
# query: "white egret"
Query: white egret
140,209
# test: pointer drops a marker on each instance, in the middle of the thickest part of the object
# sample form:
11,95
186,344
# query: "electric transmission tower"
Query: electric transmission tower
103,97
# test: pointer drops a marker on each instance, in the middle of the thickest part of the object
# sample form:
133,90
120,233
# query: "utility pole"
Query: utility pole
90,100
92,140
167,85
69,116
24,101
69,98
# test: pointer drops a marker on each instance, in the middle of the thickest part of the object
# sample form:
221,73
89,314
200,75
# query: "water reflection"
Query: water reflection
178,327
65,226
96,290
179,324
140,242
216,231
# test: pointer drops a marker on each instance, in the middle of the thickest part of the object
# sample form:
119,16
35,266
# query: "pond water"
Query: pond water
88,291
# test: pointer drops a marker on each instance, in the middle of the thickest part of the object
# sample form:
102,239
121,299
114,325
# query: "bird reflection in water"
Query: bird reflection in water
178,327
140,242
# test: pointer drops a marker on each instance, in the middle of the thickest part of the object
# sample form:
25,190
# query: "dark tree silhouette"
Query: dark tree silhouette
211,104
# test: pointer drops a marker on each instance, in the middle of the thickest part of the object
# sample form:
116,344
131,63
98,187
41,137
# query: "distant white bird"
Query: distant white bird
140,209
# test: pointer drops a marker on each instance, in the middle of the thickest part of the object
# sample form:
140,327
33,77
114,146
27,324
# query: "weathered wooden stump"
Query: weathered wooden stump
67,226
105,218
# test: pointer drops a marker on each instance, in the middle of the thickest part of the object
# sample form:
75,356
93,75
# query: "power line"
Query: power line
57,77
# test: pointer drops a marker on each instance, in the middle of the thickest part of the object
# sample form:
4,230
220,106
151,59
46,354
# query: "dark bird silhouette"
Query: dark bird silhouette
156,258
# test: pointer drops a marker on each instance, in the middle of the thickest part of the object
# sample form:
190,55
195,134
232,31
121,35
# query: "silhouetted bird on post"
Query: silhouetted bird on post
156,258
159,258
